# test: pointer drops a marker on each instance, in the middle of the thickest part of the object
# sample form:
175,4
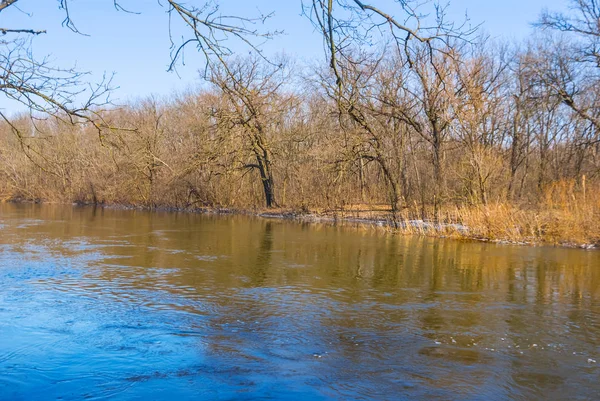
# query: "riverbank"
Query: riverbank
500,224
496,224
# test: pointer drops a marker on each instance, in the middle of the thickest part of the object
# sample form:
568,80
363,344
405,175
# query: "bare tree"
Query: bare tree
255,102
411,25
582,23
372,109
574,70
481,116
51,90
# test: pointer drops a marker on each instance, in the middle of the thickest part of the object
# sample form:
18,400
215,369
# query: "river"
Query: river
134,305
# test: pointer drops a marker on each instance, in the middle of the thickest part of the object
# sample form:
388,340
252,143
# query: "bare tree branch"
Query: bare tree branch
4,31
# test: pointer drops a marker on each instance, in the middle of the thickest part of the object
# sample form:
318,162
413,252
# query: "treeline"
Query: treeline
503,139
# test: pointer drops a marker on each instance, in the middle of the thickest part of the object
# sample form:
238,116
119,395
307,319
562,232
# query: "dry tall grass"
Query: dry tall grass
566,215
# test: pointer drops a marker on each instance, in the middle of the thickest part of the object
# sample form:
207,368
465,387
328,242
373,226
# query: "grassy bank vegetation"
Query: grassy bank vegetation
481,141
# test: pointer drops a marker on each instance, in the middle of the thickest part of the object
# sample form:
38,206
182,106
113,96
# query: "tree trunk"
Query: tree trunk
266,173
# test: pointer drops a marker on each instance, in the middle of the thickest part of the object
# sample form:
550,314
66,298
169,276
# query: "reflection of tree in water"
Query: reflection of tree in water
259,270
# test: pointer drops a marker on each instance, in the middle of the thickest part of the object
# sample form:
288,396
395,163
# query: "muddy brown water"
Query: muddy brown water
113,304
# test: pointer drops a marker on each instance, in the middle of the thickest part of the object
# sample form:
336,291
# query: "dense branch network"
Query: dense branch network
204,26
347,25
579,50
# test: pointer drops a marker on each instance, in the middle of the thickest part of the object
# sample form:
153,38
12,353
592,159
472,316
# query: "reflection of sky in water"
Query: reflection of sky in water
128,304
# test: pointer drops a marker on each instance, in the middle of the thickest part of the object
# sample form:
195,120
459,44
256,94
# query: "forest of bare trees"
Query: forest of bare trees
441,127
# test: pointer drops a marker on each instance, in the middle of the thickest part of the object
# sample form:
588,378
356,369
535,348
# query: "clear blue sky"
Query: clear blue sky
136,47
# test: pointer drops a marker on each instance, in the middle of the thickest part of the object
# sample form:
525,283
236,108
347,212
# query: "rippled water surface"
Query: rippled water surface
106,304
